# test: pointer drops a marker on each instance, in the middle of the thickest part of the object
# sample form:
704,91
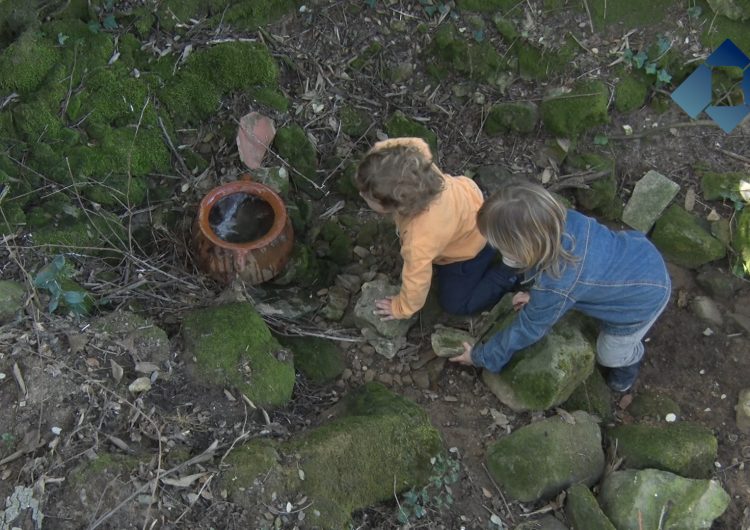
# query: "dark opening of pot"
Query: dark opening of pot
241,218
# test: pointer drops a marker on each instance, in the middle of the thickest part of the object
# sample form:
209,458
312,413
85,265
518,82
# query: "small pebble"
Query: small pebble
671,417
56,431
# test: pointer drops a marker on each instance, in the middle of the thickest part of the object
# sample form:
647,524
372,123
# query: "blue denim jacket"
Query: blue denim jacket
618,277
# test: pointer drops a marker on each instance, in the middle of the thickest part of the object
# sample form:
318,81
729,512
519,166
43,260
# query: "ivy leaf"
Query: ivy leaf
651,68
54,301
663,76
640,59
94,26
403,517
663,44
479,35
443,9
419,511
430,10
601,139
628,54
110,22
61,38
73,297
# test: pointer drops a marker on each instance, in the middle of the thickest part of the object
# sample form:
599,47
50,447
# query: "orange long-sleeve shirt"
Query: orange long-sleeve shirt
444,233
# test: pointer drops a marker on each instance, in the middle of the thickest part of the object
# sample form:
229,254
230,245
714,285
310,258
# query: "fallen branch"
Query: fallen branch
578,180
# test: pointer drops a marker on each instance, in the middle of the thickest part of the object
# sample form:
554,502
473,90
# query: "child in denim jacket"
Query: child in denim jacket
619,278
436,219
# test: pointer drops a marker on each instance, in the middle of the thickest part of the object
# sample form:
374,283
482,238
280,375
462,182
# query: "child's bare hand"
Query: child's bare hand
465,357
520,299
384,308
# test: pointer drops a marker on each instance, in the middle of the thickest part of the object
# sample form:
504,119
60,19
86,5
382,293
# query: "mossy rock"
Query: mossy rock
732,9
686,449
506,28
398,125
512,117
293,145
592,396
319,359
25,63
251,15
12,217
62,226
379,444
653,405
546,373
232,345
601,196
741,241
539,460
570,114
719,186
485,6
354,121
682,239
538,63
270,97
190,98
630,94
635,500
583,512
339,242
451,52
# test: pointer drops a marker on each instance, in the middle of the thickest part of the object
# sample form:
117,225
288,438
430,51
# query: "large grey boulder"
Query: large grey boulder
636,500
545,374
12,295
386,336
379,444
651,195
684,448
541,459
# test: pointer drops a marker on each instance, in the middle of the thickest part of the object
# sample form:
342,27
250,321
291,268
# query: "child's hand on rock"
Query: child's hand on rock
520,299
384,308
465,357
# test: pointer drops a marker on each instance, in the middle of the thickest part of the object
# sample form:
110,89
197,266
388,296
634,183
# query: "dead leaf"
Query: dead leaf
77,342
564,144
682,298
625,402
117,442
142,384
146,367
713,215
500,419
546,175
487,493
117,371
183,482
92,362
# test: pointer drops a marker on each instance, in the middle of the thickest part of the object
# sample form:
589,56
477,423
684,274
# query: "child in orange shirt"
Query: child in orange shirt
436,219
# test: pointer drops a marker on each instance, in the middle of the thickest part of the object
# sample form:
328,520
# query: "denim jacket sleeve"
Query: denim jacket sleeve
532,322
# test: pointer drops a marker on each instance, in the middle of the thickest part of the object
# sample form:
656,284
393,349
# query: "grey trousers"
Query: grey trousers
616,351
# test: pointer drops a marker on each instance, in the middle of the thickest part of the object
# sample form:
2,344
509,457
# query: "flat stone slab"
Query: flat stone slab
449,342
651,195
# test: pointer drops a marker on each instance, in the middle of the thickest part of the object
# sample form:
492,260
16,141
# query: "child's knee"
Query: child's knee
614,351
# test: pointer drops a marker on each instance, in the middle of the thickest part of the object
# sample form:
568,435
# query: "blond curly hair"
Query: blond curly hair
399,174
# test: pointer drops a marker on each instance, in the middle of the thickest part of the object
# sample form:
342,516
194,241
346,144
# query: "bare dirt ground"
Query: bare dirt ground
58,372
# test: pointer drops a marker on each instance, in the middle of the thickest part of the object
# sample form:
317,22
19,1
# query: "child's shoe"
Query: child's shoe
622,379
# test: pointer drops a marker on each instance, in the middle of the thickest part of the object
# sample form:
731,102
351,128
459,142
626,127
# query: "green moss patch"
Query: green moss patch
319,359
512,117
682,238
293,145
570,114
25,63
630,93
354,121
233,346
399,125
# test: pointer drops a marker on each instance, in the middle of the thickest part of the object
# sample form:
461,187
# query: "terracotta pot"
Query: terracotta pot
254,261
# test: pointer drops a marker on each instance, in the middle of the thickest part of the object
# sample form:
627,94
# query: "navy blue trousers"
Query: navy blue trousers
471,286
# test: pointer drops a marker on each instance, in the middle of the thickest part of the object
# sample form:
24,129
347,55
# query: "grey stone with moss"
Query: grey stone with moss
339,243
683,240
546,522
741,241
743,411
634,500
545,374
386,336
399,125
146,341
719,186
232,345
511,117
601,195
653,405
354,121
683,448
378,445
569,114
537,62
651,195
448,342
276,178
338,301
718,284
12,296
541,459
505,27
592,396
583,512
630,94
320,360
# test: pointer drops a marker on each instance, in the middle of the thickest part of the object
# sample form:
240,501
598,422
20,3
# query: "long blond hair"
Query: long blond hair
400,175
527,223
